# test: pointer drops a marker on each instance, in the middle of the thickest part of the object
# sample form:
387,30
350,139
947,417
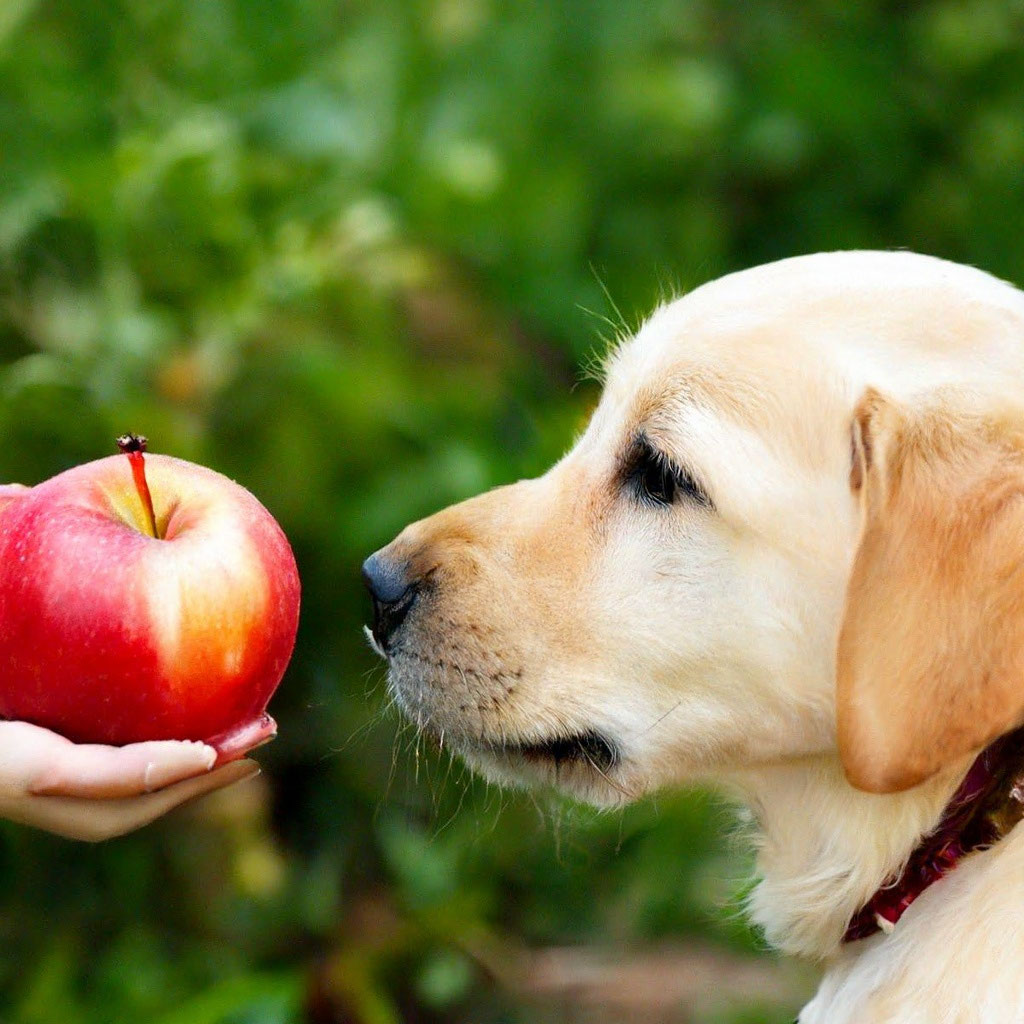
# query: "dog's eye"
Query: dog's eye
656,480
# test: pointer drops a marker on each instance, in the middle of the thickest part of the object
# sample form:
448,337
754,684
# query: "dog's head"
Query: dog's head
796,519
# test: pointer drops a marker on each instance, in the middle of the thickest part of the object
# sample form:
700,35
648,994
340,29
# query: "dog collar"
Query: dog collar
985,807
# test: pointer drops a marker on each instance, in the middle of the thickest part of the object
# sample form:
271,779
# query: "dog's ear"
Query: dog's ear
930,662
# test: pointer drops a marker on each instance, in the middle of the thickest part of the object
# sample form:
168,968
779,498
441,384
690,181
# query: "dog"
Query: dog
785,557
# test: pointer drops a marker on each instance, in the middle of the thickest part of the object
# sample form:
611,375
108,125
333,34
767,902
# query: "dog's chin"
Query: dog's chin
586,766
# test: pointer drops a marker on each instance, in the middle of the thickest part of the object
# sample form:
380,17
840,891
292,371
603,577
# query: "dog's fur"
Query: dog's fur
827,619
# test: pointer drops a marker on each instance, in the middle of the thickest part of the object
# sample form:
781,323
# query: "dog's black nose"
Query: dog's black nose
392,593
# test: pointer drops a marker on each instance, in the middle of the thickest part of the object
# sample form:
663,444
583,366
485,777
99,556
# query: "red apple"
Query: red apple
144,600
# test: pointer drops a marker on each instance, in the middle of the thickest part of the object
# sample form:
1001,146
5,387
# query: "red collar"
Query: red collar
987,804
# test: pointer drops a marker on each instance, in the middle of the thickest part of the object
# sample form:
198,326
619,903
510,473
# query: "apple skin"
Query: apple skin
110,635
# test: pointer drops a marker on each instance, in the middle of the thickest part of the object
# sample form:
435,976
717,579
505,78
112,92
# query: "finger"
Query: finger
100,772
94,820
36,760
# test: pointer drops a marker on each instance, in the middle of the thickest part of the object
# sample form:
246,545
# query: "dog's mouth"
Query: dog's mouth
569,758
588,748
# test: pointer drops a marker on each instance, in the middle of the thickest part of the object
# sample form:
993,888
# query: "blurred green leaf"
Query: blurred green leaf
249,999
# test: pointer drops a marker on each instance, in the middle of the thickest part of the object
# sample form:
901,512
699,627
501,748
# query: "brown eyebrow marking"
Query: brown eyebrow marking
651,404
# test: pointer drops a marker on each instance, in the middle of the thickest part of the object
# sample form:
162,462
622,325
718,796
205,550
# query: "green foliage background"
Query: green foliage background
351,254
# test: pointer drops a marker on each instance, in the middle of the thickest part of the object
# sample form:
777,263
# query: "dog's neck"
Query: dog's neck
824,848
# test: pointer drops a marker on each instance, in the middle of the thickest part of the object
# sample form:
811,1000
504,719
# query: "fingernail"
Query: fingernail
237,771
160,774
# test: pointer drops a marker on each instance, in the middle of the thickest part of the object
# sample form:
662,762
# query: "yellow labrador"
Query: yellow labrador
787,556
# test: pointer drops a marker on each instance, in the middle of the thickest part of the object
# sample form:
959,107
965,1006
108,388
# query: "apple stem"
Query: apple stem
134,445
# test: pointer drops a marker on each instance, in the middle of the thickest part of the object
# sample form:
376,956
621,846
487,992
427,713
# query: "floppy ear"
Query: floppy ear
930,661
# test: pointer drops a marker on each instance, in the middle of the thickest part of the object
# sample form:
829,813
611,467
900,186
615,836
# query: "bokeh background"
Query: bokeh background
358,254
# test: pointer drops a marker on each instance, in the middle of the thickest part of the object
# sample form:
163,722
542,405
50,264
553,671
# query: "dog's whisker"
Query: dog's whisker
675,707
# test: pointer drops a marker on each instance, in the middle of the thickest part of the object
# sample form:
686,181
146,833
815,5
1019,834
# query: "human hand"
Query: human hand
93,792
